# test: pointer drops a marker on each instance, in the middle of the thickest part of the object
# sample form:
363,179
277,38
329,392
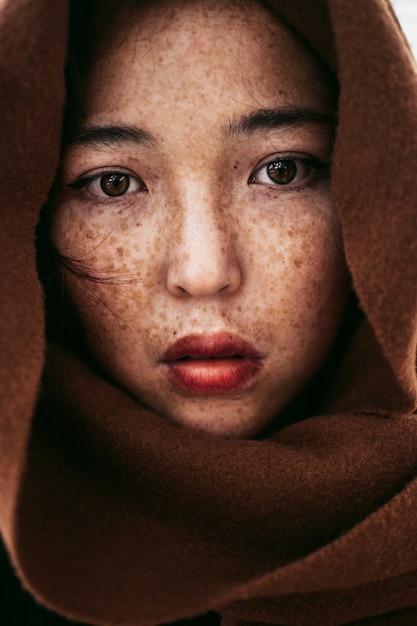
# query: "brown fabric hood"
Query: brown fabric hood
111,515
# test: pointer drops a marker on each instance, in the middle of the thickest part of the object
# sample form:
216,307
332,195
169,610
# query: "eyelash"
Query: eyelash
289,165
88,183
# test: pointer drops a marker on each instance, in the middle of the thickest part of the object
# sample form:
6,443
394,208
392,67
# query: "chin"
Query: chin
232,424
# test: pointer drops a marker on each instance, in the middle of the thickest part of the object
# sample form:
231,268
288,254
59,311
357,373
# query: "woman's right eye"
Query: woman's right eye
110,184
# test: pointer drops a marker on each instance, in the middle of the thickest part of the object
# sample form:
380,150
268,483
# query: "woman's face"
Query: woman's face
197,198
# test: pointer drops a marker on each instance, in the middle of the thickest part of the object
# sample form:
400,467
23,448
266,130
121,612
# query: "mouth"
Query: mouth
211,364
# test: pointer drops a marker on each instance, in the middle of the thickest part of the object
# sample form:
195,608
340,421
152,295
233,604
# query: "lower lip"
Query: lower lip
203,377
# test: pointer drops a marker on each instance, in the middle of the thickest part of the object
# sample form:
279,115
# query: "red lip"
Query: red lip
212,364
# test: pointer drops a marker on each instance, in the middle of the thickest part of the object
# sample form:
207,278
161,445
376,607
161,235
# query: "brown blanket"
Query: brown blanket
110,514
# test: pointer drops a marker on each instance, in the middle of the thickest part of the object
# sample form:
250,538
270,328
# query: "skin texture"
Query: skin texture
203,241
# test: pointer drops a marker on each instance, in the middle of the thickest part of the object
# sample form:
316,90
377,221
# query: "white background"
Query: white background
407,15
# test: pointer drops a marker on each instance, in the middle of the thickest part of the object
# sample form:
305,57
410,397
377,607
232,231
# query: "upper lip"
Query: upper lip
208,346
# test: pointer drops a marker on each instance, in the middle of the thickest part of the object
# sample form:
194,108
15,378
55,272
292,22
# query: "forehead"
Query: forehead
210,54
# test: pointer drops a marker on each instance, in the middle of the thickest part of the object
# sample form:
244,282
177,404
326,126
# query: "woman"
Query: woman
218,428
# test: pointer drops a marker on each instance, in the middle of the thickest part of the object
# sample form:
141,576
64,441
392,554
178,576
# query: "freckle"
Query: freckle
120,252
297,262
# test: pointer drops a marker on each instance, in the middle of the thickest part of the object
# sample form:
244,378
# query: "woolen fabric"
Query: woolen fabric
112,515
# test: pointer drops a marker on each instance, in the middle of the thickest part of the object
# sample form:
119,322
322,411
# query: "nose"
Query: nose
203,260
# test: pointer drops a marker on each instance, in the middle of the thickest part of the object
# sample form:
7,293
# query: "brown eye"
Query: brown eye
114,184
294,172
110,185
282,172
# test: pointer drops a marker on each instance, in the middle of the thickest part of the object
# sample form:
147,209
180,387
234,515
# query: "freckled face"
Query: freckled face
198,193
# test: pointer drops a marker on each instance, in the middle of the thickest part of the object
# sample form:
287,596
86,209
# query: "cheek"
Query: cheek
107,268
107,245
304,282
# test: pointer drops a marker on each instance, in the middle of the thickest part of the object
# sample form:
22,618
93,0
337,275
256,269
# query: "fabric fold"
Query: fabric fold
112,515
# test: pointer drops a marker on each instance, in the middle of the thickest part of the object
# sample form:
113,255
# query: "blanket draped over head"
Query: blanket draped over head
112,515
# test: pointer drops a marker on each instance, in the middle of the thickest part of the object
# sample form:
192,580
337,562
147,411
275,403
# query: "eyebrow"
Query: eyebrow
264,120
261,120
111,136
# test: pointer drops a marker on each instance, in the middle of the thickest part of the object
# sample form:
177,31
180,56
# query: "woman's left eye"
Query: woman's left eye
110,184
287,171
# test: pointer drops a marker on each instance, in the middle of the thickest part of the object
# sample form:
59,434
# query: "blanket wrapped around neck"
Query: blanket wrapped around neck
110,514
